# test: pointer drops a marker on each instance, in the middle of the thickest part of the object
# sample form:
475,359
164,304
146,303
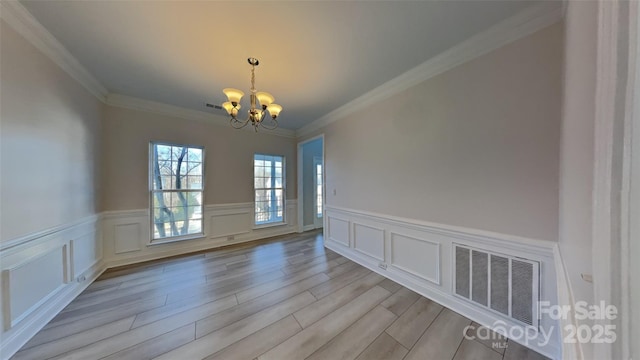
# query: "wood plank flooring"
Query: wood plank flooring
285,298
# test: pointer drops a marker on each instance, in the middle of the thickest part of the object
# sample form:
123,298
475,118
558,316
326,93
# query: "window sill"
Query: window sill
176,239
269,225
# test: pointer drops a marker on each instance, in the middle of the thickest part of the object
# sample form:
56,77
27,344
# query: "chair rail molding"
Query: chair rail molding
43,272
74,255
127,237
419,255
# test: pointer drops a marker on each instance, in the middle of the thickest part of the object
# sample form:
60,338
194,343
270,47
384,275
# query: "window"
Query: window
268,186
177,189
318,182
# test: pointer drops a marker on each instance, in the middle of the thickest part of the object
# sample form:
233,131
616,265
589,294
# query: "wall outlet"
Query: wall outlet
231,238
382,266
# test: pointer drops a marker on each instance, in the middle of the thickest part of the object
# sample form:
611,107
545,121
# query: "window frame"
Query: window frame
152,191
284,193
317,160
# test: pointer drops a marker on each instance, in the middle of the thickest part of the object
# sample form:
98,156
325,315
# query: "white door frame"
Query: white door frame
300,181
630,198
615,200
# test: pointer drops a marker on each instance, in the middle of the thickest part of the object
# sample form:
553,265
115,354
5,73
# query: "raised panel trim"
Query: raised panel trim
437,279
23,240
73,271
519,243
210,239
10,320
355,240
241,207
19,335
552,350
137,238
538,250
246,226
330,231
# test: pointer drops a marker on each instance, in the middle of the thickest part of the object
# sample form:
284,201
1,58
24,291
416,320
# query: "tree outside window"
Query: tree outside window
177,190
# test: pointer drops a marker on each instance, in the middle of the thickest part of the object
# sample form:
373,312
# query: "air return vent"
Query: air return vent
502,283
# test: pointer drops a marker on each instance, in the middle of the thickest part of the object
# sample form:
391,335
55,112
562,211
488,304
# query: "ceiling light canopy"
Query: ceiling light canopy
261,103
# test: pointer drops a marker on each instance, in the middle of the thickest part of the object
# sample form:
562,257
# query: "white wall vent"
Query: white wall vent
504,284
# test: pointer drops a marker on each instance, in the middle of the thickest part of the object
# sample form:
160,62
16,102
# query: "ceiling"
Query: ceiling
314,55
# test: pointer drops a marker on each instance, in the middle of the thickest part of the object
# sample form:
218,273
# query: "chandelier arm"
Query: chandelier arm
269,127
237,124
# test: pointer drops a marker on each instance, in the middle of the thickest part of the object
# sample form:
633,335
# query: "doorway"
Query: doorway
311,179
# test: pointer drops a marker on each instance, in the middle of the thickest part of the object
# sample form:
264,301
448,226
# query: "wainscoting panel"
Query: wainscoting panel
369,241
229,219
419,255
85,252
41,273
45,273
124,231
338,230
224,225
127,234
38,277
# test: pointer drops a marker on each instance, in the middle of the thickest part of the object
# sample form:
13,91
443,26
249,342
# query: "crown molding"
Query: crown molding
21,20
507,31
133,103
511,29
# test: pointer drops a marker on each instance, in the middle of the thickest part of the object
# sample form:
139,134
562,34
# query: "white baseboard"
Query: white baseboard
66,259
419,256
71,256
127,238
308,227
84,249
35,322
565,297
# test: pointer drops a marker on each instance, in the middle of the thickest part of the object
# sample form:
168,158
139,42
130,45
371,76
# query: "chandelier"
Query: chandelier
256,114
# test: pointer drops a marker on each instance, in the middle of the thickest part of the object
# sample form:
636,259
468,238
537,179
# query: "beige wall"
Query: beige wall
477,146
49,142
577,157
228,153
577,151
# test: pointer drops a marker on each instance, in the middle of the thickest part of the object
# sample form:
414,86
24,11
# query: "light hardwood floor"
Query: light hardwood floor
285,298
